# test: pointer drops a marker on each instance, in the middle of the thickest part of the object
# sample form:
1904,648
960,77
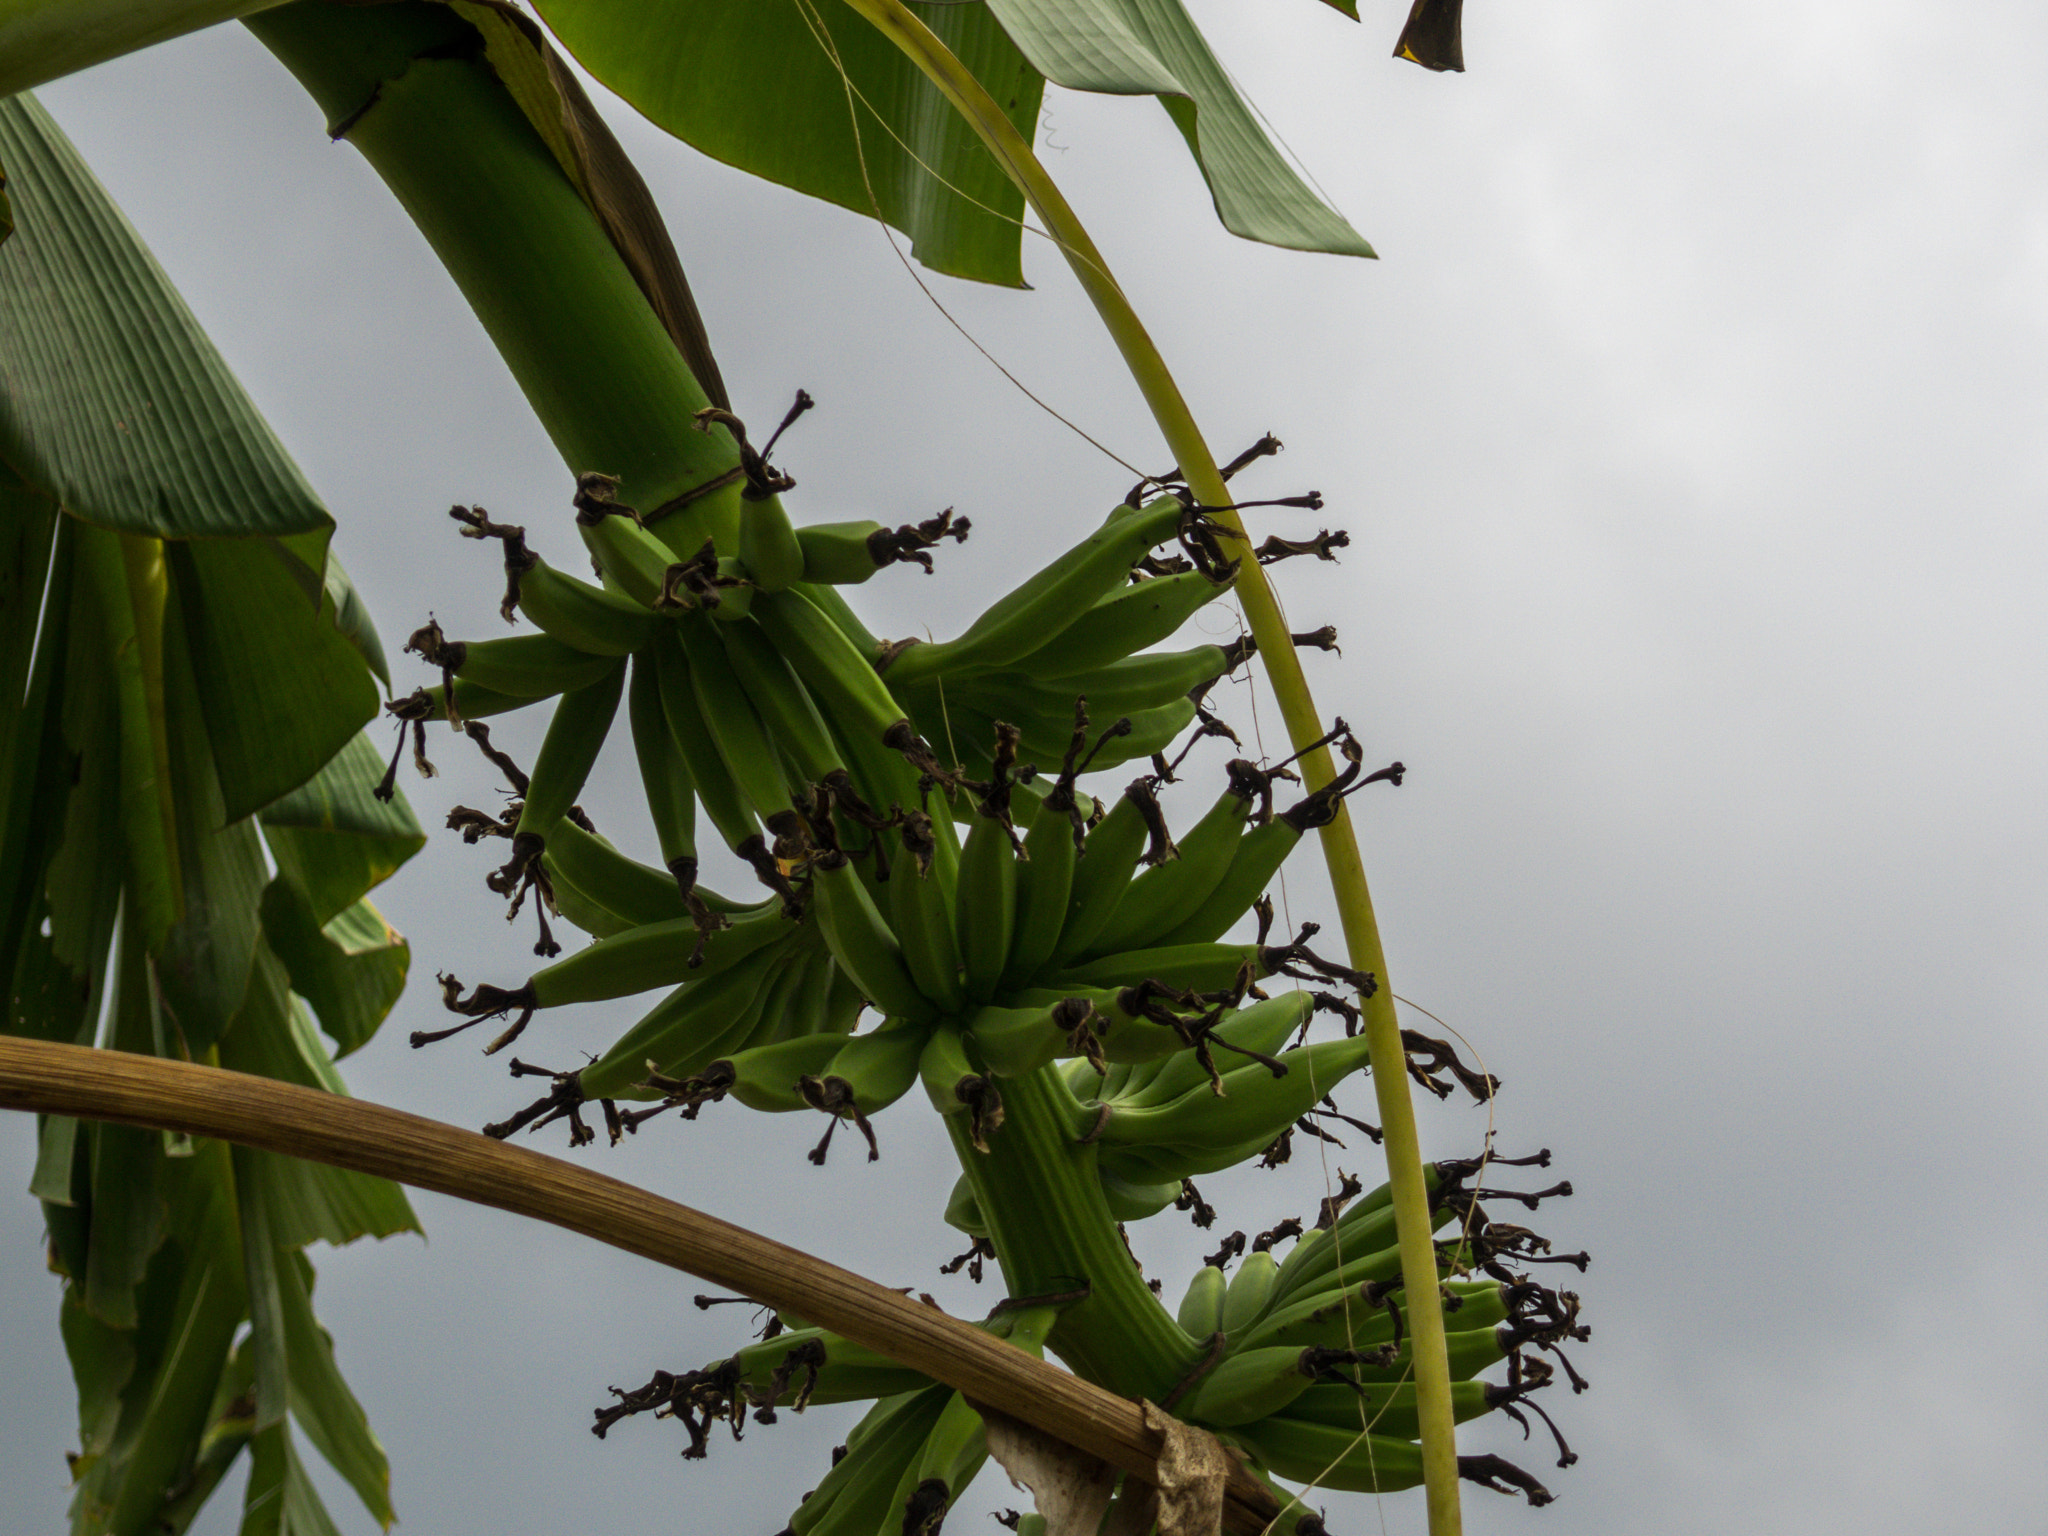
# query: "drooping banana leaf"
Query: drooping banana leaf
807,94
187,676
1152,47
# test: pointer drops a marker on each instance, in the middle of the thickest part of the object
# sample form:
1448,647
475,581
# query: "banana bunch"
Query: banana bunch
1049,962
1308,1369
1031,936
1076,629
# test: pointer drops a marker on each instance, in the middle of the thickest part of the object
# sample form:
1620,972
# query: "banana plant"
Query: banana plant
1041,953
188,846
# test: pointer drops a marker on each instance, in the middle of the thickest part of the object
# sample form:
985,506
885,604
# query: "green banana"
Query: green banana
1163,897
1342,1316
1015,1041
953,1452
1125,687
764,1077
1045,883
985,905
868,1074
686,1030
839,554
785,706
1257,858
769,547
631,559
841,1007
1048,602
653,955
880,1066
1348,1315
854,1499
523,666
1388,1410
1132,830
1359,1229
664,775
712,518
1253,1102
1248,1384
862,943
578,614
1130,1200
1189,967
946,1068
1333,1458
1201,1307
813,1368
885,779
963,1209
574,736
810,1006
1128,620
1250,1289
846,554
1144,1165
1472,1350
1253,863
735,592
771,1021
728,713
723,803
832,666
1043,734
1262,1028
475,702
582,910
632,892
1086,1081
835,607
922,918
1122,1032
1135,1199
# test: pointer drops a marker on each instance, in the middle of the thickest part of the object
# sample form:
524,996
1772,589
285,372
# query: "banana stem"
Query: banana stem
1297,708
1051,1227
561,307
389,1143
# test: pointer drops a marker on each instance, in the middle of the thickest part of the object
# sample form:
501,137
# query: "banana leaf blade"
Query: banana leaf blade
1153,47
761,88
114,402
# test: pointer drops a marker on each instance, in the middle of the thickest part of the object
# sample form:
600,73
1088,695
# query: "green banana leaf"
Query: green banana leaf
114,401
333,838
269,734
1152,47
186,831
810,96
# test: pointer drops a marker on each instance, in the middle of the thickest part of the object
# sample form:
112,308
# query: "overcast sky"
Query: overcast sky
1690,438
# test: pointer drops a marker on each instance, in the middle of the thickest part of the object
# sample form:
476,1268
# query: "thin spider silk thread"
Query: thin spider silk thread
823,37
